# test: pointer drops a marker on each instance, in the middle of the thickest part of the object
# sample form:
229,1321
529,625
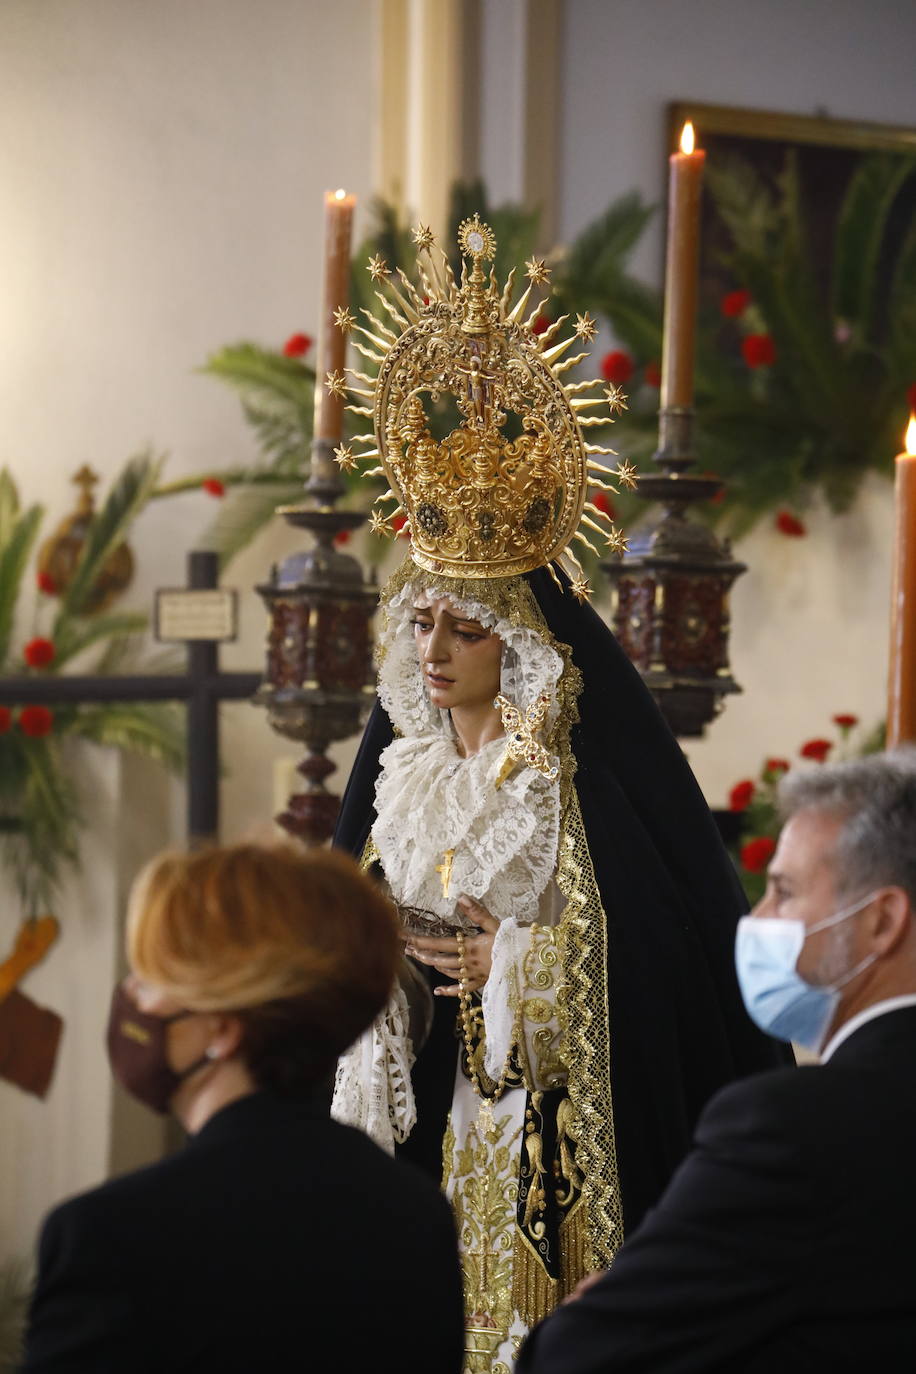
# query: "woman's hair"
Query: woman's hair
300,945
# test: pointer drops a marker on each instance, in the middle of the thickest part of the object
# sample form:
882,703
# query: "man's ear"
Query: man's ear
892,919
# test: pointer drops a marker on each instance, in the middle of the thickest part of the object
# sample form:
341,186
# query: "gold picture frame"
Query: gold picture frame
827,152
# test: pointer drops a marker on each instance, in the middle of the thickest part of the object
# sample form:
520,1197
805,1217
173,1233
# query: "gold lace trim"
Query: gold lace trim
583,943
541,1028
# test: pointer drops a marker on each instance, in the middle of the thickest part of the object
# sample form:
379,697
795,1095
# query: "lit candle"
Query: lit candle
681,272
332,342
901,682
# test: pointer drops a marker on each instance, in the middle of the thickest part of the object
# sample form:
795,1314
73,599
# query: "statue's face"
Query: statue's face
460,659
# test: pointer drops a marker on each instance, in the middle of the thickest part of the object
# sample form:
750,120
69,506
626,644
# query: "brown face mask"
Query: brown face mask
138,1052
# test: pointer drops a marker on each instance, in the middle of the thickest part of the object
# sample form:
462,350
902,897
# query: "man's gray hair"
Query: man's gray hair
875,797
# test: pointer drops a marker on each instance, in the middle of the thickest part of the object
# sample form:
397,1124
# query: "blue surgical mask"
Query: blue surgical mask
777,998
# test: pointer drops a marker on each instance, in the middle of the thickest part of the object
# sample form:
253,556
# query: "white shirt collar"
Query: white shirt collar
869,1014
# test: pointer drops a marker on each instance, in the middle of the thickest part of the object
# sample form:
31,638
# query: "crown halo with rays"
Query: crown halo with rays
479,503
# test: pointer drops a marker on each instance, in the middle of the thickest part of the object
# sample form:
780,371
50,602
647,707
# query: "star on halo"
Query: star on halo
616,399
537,271
336,383
378,267
423,237
581,588
344,459
378,524
617,541
344,320
586,328
626,474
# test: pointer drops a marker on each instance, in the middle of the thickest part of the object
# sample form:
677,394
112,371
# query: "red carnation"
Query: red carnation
911,397
653,374
6,719
38,653
617,367
846,720
601,502
398,524
741,795
776,766
758,350
342,537
46,584
541,323
816,749
734,303
36,721
213,487
756,854
787,523
297,345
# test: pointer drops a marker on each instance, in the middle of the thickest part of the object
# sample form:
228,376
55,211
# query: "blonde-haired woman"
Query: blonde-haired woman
256,1245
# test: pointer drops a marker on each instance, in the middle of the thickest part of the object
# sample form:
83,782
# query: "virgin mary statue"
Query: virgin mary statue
568,1001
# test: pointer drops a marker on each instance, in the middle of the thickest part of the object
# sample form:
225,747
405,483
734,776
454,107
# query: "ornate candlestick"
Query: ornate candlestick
671,588
318,679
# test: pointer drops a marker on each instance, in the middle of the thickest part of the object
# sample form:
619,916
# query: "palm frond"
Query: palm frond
607,241
14,557
9,505
745,203
78,634
276,383
47,809
15,1292
128,654
243,514
861,229
109,527
154,729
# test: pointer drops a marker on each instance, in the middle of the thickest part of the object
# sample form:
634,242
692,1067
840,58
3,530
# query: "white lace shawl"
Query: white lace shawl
428,800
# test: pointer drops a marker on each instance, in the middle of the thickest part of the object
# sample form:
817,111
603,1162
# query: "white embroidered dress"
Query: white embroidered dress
429,800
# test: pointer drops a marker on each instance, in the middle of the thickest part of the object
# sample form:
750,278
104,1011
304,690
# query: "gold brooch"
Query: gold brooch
521,745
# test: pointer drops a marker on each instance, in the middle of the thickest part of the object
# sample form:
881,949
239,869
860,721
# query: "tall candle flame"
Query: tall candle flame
340,194
687,138
911,435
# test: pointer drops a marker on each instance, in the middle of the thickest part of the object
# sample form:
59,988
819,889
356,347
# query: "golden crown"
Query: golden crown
479,503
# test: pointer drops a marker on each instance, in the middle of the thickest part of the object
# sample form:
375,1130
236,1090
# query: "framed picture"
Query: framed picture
827,152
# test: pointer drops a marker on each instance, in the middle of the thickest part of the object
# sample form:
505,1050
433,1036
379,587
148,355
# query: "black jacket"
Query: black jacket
784,1242
276,1240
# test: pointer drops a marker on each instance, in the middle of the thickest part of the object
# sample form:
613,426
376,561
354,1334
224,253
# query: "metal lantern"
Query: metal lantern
671,603
318,679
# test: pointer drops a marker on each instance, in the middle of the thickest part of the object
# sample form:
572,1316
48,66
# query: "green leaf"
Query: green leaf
77,635
275,383
861,229
109,527
243,513
14,557
9,506
15,1293
154,729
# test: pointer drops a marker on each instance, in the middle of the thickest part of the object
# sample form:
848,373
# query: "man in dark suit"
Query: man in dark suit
783,1244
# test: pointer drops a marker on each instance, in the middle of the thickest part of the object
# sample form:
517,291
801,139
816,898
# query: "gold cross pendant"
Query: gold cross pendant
445,870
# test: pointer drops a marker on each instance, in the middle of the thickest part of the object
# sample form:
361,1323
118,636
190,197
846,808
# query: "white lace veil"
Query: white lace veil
529,664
